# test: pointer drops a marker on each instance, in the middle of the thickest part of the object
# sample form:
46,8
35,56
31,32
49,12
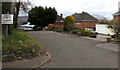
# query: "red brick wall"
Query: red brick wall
86,24
58,23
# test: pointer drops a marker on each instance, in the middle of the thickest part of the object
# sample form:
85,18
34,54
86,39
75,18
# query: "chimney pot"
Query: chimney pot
61,15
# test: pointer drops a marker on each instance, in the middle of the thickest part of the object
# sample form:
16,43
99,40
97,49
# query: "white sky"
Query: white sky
68,7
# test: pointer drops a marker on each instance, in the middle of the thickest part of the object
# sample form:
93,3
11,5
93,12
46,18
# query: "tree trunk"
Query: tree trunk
17,6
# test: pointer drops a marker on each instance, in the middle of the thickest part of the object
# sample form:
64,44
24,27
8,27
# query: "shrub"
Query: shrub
58,28
36,28
68,23
89,33
19,45
76,30
50,27
86,33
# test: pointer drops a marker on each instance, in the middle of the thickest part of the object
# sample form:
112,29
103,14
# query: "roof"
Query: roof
59,19
22,19
117,13
84,16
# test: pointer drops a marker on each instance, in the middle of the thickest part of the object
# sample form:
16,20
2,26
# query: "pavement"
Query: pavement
28,63
104,44
69,51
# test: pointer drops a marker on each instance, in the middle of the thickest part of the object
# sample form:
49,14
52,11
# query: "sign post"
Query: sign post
7,19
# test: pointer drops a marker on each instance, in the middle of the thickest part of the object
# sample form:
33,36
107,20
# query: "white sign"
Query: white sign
7,18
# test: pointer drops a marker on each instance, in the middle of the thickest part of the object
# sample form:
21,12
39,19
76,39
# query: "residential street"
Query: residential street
70,51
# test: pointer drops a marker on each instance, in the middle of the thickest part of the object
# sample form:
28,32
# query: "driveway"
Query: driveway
69,51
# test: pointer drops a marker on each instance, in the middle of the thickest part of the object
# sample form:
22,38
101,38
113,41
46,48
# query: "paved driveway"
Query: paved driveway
69,51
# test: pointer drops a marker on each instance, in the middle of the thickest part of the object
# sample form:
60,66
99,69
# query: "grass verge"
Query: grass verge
19,46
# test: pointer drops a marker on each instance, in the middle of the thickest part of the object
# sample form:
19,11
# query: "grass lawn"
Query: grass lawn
20,45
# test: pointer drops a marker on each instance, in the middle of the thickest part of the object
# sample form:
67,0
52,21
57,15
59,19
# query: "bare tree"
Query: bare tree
20,5
115,24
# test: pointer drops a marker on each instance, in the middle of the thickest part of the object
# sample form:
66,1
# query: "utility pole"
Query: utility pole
0,19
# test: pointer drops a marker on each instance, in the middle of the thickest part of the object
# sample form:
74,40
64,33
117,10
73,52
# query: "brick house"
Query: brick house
59,21
116,16
85,20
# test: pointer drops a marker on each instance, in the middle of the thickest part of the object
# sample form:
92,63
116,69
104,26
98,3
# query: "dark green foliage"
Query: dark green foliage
82,32
76,30
24,23
40,16
36,28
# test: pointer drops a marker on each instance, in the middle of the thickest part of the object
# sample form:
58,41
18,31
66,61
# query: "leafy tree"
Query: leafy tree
49,16
40,16
36,16
68,23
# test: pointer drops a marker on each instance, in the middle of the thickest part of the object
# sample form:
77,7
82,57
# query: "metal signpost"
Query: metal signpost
7,19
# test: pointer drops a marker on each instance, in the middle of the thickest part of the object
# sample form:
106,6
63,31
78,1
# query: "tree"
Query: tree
20,5
68,23
115,25
35,16
104,21
50,16
40,16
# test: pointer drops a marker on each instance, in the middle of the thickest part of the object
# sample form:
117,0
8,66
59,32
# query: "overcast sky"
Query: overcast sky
68,7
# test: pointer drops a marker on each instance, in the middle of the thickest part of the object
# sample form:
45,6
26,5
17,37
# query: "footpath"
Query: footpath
28,63
104,44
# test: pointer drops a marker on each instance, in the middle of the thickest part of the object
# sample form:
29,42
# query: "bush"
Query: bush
89,33
76,30
36,28
58,28
50,27
82,32
68,23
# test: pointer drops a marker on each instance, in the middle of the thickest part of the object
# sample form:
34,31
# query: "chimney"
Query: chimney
61,15
83,12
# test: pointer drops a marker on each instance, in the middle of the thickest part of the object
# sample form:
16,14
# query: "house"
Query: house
116,16
22,19
59,21
85,20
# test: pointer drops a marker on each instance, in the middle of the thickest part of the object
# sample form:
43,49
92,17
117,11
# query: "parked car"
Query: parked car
27,27
91,30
